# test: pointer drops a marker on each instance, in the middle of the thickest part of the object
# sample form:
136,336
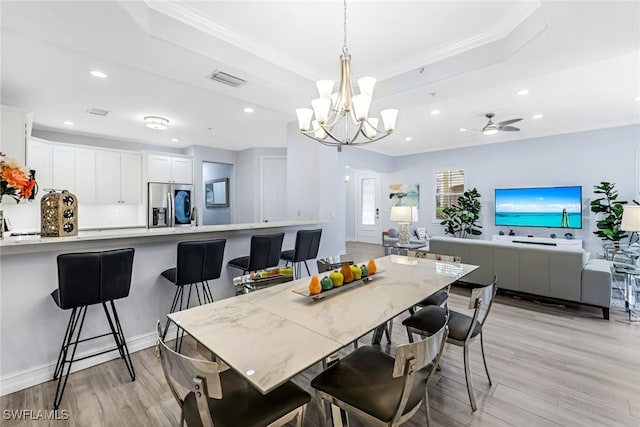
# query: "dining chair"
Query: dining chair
442,296
306,248
225,399
85,279
198,261
264,252
380,389
463,329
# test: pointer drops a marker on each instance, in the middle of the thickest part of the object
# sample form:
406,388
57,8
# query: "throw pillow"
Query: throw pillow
422,233
393,232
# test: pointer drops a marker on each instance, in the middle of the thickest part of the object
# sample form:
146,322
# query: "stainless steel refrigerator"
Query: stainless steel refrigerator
170,205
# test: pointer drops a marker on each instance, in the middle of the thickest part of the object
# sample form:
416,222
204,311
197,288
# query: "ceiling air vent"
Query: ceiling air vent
228,79
97,111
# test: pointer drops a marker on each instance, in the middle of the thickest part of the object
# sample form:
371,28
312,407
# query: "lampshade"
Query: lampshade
631,218
404,214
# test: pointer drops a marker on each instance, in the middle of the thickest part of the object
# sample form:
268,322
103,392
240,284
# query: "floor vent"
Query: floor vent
228,79
97,112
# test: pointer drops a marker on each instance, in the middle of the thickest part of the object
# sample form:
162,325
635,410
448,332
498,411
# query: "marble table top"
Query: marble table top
271,335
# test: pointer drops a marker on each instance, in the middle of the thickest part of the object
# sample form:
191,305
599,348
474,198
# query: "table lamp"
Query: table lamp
404,215
631,222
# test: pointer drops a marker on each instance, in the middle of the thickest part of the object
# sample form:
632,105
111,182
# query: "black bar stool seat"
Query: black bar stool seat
86,279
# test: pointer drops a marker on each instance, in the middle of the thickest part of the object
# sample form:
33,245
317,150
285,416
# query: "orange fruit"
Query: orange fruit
371,266
314,286
347,273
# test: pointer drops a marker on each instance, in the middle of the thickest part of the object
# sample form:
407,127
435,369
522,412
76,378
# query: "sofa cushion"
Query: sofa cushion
393,232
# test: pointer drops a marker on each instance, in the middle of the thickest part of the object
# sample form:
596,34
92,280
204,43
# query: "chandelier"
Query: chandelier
343,106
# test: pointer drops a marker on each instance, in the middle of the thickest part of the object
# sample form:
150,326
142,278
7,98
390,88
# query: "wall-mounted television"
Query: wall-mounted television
551,207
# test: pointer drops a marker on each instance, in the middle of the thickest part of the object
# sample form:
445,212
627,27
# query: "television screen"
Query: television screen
557,207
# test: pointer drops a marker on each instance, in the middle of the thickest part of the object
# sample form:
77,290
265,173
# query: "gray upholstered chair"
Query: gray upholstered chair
378,388
225,399
463,329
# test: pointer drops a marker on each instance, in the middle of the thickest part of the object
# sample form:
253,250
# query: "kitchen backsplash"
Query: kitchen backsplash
25,217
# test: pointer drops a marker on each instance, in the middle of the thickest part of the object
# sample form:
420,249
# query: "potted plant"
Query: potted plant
461,218
609,210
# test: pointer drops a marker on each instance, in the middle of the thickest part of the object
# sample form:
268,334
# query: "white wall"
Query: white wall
583,158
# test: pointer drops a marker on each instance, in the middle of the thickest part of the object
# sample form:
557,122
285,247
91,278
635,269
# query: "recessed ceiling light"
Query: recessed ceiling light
68,123
523,92
637,98
156,122
248,110
175,140
537,116
408,138
435,112
463,129
99,74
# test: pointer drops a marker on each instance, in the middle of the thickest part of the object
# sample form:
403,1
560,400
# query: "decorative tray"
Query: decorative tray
304,291
270,277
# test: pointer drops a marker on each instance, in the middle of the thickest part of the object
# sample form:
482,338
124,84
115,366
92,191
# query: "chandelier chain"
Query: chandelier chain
344,47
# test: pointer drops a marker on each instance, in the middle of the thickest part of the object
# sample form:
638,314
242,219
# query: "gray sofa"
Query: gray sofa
558,272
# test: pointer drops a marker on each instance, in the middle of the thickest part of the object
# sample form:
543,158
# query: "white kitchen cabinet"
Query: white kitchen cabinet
131,178
63,168
168,168
182,170
39,158
118,177
85,171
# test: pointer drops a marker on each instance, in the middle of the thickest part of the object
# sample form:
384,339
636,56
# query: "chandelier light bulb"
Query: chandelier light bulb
370,126
324,88
304,118
318,131
389,117
361,105
366,85
321,109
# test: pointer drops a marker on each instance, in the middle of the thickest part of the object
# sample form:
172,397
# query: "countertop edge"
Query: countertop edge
26,244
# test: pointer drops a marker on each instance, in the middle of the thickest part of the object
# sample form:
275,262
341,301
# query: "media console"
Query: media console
546,241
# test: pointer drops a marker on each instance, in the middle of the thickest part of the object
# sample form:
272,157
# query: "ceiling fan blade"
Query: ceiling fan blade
508,122
509,128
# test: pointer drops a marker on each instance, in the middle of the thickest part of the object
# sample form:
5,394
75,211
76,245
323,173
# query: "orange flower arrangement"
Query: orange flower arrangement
15,179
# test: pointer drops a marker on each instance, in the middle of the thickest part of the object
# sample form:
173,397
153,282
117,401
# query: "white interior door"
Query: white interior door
273,188
368,200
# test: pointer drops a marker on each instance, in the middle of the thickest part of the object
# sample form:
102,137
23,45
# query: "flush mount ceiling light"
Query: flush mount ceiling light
156,122
435,112
68,123
175,140
523,92
352,111
248,110
637,98
537,116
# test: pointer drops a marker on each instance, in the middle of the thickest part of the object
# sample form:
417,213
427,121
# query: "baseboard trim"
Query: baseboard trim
28,378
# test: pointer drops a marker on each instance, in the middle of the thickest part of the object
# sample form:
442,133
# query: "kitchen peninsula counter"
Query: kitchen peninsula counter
32,326
11,245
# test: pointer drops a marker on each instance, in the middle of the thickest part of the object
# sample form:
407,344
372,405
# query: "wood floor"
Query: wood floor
550,366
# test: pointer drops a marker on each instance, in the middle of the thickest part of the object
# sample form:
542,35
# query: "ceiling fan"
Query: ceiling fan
491,128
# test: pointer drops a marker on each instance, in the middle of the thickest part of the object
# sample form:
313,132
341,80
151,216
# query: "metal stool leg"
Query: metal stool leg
118,336
177,295
62,382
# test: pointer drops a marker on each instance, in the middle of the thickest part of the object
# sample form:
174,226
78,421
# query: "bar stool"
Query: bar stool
198,262
306,248
86,279
264,253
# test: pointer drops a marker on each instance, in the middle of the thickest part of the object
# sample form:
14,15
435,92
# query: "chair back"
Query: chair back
437,257
265,251
199,376
412,357
94,277
422,352
307,244
199,260
482,299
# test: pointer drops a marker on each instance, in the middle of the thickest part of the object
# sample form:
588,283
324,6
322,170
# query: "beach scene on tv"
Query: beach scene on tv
552,207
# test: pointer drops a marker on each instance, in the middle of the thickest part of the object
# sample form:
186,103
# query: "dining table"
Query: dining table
271,335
